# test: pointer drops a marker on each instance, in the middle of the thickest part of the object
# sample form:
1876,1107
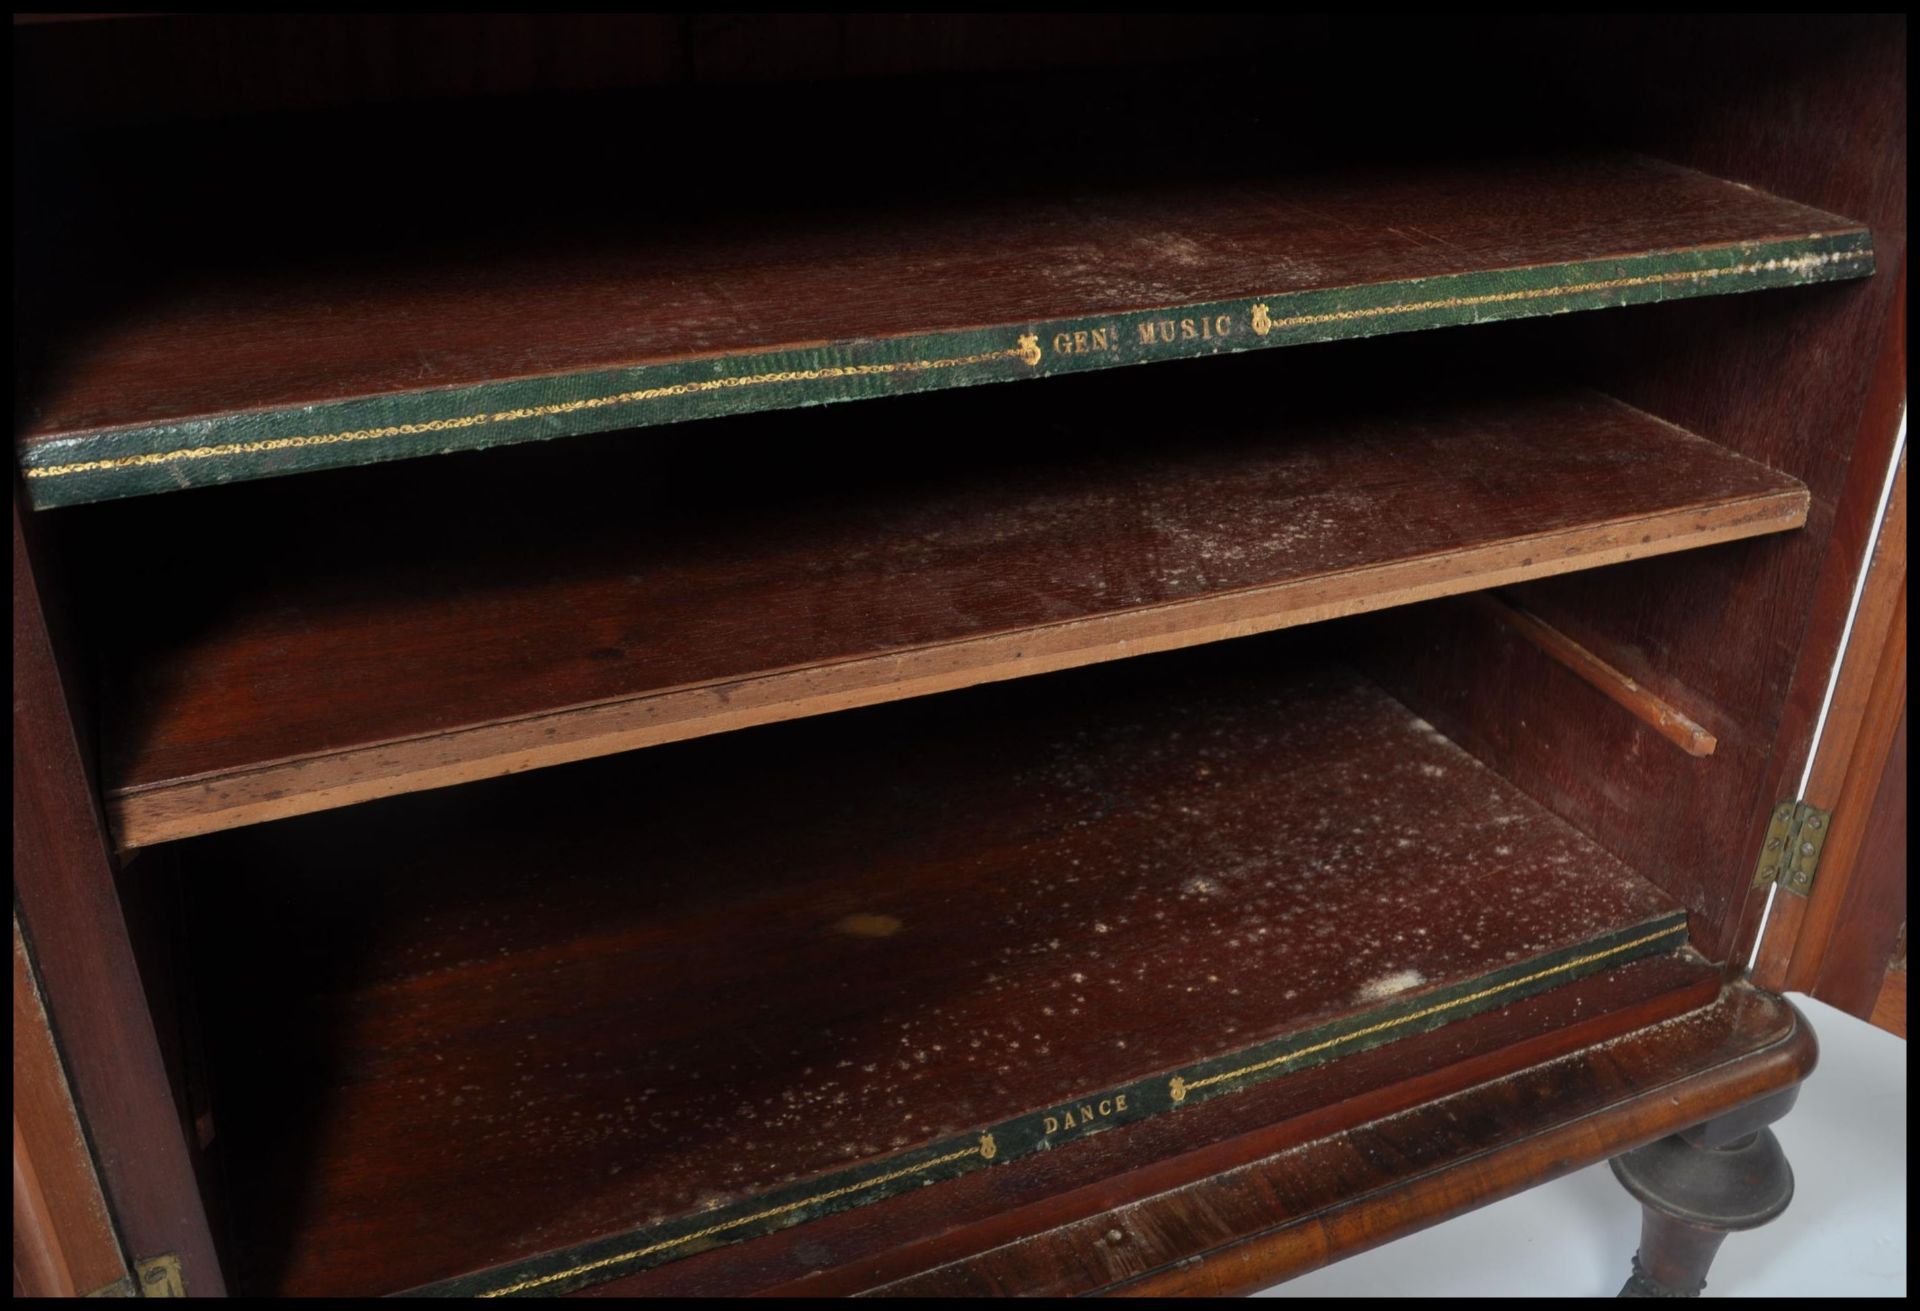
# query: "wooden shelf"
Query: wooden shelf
501,635
282,362
625,1002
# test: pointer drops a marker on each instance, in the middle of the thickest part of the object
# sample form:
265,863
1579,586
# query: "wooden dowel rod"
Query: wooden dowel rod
1671,724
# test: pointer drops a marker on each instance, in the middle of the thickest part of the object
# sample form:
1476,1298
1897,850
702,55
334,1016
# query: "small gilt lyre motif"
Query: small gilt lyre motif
1178,1089
1261,323
987,1147
1030,348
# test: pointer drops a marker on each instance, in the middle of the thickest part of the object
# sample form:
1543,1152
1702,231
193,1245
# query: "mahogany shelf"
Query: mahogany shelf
506,634
638,1005
291,361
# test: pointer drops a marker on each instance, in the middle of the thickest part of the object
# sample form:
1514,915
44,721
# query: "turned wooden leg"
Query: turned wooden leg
1700,1185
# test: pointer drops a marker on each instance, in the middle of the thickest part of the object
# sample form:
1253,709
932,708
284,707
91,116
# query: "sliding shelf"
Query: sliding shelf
329,665
284,363
593,1021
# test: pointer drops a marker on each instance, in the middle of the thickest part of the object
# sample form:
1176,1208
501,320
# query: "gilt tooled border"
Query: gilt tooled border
669,1240
109,463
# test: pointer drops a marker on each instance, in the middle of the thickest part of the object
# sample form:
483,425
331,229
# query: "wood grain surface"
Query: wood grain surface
192,255
63,1239
72,920
1245,1228
305,359
459,1028
507,632
1814,385
1861,903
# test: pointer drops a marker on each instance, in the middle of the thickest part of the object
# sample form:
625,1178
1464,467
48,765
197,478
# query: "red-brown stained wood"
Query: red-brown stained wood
1246,1228
1890,1008
1810,383
1868,940
1671,722
1848,776
1663,1065
556,1007
63,1239
503,635
1805,107
666,283
63,883
976,1213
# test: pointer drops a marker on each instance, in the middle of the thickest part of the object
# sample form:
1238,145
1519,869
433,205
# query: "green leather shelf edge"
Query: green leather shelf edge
596,1262
103,464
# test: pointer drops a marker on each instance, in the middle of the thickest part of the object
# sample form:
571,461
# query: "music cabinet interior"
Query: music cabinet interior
836,654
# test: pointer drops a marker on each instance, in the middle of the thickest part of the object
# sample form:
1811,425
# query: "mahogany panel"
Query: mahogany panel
1890,1008
71,918
1863,712
509,632
63,1240
1809,107
474,1025
1868,940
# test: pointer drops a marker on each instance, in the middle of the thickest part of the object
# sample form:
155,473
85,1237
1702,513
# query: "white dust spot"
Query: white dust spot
1388,985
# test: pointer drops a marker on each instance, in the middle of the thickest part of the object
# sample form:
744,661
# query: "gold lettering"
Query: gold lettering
1167,330
1187,331
1146,334
1080,342
1099,339
1062,344
1223,325
1079,1117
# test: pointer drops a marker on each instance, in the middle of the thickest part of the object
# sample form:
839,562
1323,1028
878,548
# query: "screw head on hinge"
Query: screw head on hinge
160,1277
1808,837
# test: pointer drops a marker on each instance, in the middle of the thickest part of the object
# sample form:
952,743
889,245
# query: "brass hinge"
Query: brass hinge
1791,855
160,1277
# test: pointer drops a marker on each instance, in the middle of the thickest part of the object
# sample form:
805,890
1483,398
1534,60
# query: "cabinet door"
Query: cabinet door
1845,941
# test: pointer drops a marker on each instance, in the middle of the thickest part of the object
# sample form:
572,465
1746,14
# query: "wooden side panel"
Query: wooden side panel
1740,639
70,913
63,1239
